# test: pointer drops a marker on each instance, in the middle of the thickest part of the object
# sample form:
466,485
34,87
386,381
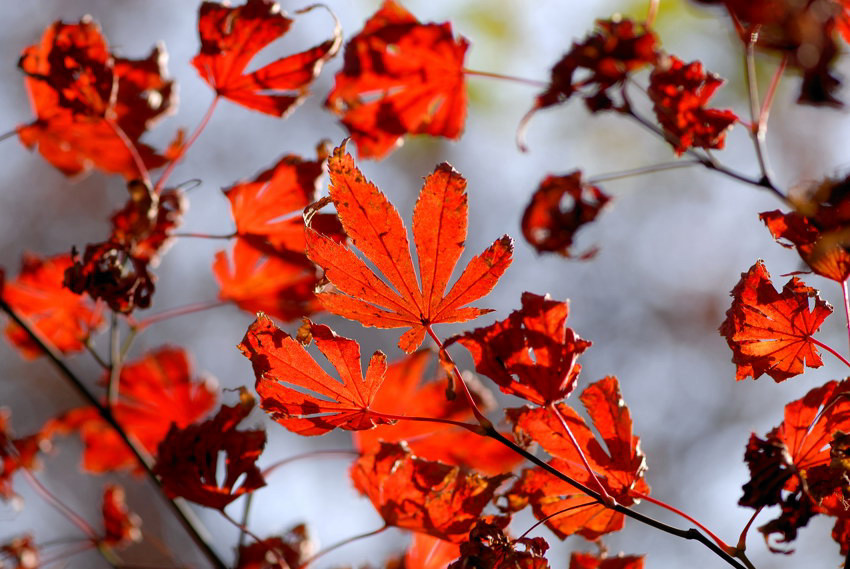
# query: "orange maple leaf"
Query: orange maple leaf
376,229
83,96
155,392
620,469
64,318
264,281
579,560
400,77
231,37
421,495
320,403
771,332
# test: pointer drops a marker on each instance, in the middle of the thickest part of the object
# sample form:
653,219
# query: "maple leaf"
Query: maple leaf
187,458
488,547
376,229
794,465
679,93
404,393
294,547
83,97
531,354
320,403
580,560
64,318
231,37
121,526
268,209
155,391
604,59
819,228
263,281
400,77
771,332
551,229
421,495
620,469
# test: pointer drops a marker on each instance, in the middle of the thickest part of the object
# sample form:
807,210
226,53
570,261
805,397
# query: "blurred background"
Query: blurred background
672,246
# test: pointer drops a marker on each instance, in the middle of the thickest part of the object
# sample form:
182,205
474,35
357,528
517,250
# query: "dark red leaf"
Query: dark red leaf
188,458
592,561
109,271
488,547
120,524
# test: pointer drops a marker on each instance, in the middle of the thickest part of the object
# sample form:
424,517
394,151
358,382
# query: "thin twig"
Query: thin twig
339,544
758,128
183,514
521,80
160,184
643,170
112,387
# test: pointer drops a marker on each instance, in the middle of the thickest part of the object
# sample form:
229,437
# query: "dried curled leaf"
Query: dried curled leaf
680,93
298,393
771,332
421,495
549,225
400,77
376,229
489,547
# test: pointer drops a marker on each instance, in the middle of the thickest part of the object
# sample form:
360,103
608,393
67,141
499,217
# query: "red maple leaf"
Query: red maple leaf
16,454
154,392
89,104
264,281
771,332
404,393
376,229
188,458
798,464
298,393
121,526
64,318
680,93
620,469
400,77
548,227
819,229
531,354
422,495
591,561
268,209
231,37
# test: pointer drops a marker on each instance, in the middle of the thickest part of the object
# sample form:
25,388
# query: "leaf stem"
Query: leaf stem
246,512
178,311
160,184
113,386
742,540
817,342
723,545
758,126
652,12
183,514
502,77
131,148
205,235
59,506
554,515
9,134
643,170
479,416
339,544
606,498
